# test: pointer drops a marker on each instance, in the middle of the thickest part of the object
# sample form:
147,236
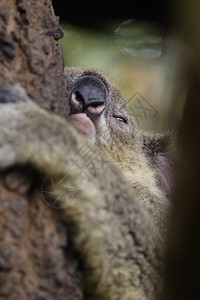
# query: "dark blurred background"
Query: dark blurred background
93,14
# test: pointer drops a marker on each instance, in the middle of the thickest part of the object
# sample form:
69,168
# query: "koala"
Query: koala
99,111
119,217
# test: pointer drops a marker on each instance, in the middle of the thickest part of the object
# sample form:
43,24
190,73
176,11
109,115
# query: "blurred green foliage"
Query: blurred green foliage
88,49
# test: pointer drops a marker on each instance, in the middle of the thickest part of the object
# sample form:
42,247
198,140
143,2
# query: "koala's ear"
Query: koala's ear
161,155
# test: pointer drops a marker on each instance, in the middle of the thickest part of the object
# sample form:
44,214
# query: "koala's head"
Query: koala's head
98,110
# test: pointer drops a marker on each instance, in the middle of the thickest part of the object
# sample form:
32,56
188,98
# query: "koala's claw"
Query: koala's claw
4,94
13,94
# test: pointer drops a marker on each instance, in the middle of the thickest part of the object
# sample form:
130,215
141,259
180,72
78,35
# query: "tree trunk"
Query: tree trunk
36,260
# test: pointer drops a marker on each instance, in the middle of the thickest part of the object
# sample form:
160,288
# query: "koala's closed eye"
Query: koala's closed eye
120,119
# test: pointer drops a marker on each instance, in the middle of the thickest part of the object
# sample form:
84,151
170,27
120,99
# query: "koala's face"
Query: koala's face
98,109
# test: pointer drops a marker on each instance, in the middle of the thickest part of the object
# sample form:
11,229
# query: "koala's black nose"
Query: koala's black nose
88,95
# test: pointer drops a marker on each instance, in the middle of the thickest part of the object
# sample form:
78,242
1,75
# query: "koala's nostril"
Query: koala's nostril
89,95
76,102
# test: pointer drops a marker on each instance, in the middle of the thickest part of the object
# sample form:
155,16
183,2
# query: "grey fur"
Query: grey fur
119,217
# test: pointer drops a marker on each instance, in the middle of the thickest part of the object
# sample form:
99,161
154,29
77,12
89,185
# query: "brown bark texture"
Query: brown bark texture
36,260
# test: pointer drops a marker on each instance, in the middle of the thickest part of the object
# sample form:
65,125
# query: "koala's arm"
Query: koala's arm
121,249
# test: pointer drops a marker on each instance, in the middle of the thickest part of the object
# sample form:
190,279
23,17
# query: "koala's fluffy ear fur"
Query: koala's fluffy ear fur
160,152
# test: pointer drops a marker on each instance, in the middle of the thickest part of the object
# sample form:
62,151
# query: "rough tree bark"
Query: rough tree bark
36,261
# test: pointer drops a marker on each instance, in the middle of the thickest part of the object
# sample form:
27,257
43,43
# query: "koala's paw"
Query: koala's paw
14,94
